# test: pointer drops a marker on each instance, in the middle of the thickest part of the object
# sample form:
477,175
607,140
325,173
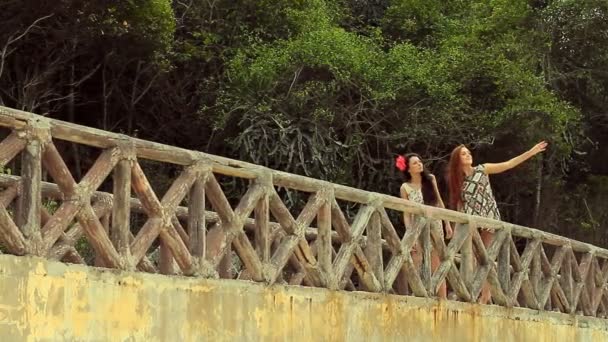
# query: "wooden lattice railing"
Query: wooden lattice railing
195,229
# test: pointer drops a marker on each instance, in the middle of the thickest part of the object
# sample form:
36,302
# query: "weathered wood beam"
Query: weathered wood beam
402,261
11,146
27,214
121,212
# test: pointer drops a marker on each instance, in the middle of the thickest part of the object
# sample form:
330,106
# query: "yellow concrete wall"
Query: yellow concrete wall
46,301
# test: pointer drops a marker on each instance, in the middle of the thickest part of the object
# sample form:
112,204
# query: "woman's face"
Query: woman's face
415,165
466,159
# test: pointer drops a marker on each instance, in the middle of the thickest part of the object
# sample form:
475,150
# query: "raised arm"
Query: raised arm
492,168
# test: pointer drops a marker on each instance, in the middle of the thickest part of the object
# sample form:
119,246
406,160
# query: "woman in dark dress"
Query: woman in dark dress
470,190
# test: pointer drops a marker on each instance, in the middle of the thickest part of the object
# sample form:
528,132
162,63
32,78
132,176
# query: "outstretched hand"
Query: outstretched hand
538,148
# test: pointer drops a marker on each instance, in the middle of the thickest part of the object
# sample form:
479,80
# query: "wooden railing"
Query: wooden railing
195,229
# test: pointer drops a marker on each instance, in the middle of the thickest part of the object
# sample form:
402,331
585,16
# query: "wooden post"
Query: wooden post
467,258
504,263
263,231
196,218
121,211
324,246
535,272
590,287
373,247
262,234
426,248
30,201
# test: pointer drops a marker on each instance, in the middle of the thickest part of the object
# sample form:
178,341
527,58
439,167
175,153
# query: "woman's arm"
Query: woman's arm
437,194
406,217
492,168
448,226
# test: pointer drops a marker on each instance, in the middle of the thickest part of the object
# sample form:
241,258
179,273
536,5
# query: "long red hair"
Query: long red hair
455,177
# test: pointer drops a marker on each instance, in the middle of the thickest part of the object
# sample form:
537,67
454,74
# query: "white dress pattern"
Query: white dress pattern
415,195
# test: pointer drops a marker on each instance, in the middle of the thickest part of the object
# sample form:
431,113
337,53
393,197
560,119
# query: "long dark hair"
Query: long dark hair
428,192
455,177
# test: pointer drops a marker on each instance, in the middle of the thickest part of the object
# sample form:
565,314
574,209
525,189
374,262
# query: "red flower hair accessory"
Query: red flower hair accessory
401,163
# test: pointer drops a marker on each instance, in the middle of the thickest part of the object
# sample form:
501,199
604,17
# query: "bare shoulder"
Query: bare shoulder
404,190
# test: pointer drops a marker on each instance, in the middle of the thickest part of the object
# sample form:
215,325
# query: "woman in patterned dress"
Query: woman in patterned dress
470,190
420,186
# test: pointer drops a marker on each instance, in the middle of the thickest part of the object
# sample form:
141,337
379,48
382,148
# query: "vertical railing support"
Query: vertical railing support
120,231
263,234
30,201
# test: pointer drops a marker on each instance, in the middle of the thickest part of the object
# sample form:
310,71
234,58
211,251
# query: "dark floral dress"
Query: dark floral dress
477,196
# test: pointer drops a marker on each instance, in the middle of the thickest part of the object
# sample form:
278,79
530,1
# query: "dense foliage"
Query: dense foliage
335,89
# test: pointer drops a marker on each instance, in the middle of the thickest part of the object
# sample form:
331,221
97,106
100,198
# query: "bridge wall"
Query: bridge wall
49,301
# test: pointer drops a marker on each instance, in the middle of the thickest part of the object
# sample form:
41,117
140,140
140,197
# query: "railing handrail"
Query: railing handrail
62,130
31,229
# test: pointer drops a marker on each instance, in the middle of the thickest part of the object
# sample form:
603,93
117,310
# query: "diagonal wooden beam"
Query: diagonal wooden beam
242,245
161,213
389,233
11,235
98,238
550,270
601,290
10,147
520,279
403,260
580,272
68,210
486,265
461,233
296,242
347,250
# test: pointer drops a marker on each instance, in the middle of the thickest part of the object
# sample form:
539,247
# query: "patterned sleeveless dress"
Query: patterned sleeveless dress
415,195
477,196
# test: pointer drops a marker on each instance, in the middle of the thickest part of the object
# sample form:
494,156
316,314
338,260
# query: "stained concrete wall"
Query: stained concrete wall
48,301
